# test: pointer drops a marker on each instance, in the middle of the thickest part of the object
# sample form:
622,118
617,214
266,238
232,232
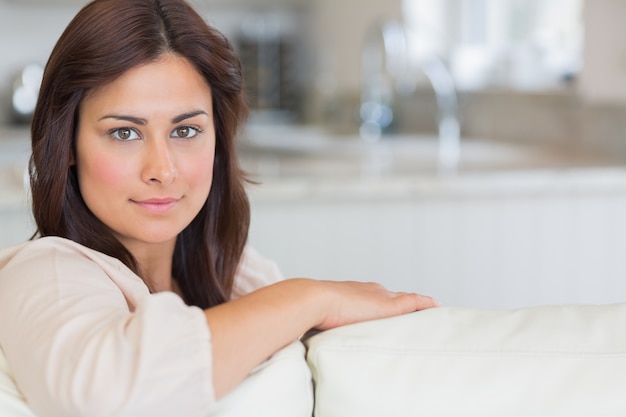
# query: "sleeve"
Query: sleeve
255,271
76,348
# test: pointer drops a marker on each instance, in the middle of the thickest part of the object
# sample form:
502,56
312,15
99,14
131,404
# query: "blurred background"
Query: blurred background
473,150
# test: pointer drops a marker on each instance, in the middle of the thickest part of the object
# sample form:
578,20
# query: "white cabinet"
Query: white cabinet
557,243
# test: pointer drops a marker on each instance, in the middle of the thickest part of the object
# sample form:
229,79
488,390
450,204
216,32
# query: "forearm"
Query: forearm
247,331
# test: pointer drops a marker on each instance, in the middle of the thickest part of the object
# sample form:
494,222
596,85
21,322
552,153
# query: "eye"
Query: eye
185,132
124,134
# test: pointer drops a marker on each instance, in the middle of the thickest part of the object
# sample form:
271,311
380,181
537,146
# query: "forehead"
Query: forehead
170,81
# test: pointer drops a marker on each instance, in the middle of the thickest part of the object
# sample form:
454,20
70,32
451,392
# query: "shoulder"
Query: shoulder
255,271
81,319
49,247
54,262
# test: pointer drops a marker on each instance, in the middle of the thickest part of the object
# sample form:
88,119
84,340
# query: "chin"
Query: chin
159,237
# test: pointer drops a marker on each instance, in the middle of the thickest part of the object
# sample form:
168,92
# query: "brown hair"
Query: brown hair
103,41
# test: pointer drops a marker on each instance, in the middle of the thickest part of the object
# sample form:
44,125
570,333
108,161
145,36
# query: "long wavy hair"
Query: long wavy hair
103,41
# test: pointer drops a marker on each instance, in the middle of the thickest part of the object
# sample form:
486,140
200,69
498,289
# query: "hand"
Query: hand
352,302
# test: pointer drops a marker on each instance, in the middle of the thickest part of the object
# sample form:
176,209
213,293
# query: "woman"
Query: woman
138,296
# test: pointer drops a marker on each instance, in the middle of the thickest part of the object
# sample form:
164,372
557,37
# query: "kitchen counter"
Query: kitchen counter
501,185
14,155
16,224
306,163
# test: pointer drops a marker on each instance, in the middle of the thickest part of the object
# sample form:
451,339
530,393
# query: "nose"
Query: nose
158,166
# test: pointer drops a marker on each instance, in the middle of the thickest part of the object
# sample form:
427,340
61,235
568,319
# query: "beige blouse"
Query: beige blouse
83,336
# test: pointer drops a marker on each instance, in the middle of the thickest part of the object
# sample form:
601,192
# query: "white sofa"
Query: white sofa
545,361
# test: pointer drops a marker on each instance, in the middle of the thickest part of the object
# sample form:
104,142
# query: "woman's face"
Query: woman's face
144,151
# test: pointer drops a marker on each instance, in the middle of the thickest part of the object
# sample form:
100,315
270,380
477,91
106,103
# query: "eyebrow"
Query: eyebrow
140,121
188,115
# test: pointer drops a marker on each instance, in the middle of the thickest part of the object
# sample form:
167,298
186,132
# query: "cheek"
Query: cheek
199,173
101,175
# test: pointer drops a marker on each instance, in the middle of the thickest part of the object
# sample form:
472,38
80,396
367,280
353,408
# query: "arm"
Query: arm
85,338
264,321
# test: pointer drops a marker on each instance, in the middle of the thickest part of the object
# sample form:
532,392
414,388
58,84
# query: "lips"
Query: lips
157,205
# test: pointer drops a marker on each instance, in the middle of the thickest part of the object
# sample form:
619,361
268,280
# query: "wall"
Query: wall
331,34
339,29
605,52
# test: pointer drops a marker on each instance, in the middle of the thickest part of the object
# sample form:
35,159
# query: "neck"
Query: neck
155,263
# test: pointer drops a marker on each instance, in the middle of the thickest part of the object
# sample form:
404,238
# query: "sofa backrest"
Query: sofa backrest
545,361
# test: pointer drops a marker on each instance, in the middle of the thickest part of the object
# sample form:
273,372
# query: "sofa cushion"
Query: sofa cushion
279,387
543,361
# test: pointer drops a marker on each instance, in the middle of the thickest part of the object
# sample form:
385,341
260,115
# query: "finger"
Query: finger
413,302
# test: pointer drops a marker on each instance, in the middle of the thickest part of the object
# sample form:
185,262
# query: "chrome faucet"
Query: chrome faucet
386,69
